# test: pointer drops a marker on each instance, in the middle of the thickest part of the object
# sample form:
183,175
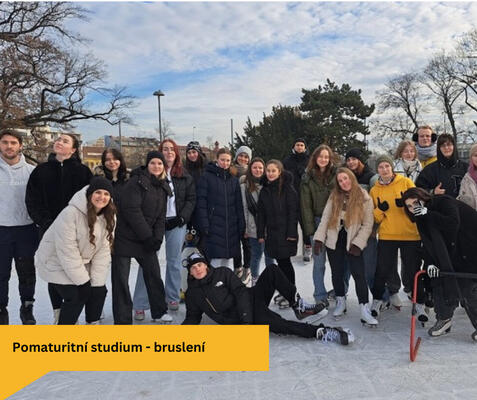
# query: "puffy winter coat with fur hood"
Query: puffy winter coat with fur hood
66,256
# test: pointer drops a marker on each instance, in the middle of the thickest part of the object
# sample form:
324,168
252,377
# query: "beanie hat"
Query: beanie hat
385,158
192,259
97,183
194,145
299,140
243,149
356,153
155,154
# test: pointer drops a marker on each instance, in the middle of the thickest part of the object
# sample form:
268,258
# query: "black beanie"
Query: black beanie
98,182
356,153
193,258
299,140
155,154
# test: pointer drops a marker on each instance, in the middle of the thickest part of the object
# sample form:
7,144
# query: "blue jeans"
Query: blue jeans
174,241
256,251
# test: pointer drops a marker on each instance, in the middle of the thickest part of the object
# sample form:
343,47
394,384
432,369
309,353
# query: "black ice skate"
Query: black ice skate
304,310
338,335
26,313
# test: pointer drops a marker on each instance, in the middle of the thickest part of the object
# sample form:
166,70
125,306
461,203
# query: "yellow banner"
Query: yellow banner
29,352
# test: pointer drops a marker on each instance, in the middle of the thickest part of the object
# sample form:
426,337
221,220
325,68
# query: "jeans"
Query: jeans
122,303
18,243
174,242
319,262
256,251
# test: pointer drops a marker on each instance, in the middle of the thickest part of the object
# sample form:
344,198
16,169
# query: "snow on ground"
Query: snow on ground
375,367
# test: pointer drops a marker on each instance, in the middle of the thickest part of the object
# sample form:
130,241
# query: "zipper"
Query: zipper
210,304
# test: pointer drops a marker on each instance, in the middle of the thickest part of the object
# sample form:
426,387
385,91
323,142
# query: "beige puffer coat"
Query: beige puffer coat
357,234
66,256
468,191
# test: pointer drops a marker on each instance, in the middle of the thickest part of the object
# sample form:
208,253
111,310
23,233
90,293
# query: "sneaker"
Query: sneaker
26,313
421,313
3,316
376,308
338,335
56,315
441,327
304,310
340,308
173,305
98,322
395,301
139,315
306,253
165,319
239,272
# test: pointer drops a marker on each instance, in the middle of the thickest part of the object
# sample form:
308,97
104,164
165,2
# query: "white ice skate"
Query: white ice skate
340,308
376,308
421,313
366,317
395,301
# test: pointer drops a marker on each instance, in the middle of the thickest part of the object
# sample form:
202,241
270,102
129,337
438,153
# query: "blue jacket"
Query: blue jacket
220,212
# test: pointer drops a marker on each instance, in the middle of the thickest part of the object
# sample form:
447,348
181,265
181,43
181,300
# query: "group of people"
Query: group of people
74,226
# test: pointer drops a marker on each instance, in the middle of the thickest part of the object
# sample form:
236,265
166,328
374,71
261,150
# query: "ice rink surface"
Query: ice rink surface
375,367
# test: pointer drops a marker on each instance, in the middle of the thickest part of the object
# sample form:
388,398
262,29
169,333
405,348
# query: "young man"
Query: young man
220,294
18,234
425,140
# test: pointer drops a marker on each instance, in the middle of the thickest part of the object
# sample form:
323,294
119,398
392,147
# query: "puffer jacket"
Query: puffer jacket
184,190
118,185
66,256
250,219
221,296
314,195
468,191
296,163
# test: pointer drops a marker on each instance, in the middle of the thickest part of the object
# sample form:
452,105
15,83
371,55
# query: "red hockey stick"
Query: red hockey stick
413,348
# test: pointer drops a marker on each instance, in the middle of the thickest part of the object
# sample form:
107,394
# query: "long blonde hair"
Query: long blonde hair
354,200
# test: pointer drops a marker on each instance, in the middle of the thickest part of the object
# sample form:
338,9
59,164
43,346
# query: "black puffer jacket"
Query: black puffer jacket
184,190
220,212
278,217
118,185
367,178
221,296
142,213
448,171
51,186
296,163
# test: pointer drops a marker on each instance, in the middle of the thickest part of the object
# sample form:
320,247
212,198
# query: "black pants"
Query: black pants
122,302
286,266
337,259
387,266
271,279
445,308
306,238
246,255
74,298
18,243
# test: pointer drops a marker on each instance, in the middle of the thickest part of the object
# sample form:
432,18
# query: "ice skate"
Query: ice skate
366,317
278,298
474,336
331,295
246,277
306,254
421,313
313,312
283,303
26,313
165,319
56,315
395,301
340,308
441,327
376,308
339,335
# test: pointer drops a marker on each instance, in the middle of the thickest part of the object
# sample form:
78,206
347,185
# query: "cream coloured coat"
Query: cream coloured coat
357,234
66,256
468,191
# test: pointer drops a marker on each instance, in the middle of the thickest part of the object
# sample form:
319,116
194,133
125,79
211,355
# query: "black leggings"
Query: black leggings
286,266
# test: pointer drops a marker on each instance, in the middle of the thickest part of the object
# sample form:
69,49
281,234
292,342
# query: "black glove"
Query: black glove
354,250
317,247
384,206
399,202
152,244
174,222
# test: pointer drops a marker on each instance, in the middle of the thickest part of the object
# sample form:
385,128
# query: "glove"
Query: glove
384,206
152,244
174,222
317,247
419,211
399,202
354,250
432,271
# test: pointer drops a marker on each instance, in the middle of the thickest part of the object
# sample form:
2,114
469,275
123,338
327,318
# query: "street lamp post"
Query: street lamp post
193,133
158,93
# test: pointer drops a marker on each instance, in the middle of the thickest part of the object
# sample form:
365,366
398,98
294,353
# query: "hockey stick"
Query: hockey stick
413,348
464,275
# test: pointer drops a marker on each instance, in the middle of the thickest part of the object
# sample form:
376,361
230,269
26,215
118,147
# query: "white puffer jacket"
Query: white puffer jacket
66,256
468,191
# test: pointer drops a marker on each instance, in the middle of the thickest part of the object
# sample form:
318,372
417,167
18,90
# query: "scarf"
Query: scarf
424,153
382,182
410,166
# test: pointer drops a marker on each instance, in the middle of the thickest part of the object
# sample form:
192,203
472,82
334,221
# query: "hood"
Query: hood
18,165
79,200
447,162
52,159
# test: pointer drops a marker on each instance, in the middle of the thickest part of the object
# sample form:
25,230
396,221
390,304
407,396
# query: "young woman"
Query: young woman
396,232
75,252
251,185
316,186
219,294
52,185
179,211
447,228
195,161
113,168
277,220
140,231
344,229
220,211
406,162
468,187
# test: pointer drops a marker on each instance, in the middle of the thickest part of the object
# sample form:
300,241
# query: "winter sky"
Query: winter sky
221,60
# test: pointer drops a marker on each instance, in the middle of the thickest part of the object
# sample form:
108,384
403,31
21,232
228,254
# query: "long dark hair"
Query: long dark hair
415,193
108,212
250,180
122,171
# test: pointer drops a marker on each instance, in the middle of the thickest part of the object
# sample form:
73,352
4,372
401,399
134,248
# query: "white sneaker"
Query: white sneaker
376,308
366,317
395,301
421,313
340,308
139,315
165,319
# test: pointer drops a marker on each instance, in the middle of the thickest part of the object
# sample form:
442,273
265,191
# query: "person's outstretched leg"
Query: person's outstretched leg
272,278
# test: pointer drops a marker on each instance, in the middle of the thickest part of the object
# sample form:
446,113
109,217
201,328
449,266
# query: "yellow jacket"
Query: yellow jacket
393,223
428,161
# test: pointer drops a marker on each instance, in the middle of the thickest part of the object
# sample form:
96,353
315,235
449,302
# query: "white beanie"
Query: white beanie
243,149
